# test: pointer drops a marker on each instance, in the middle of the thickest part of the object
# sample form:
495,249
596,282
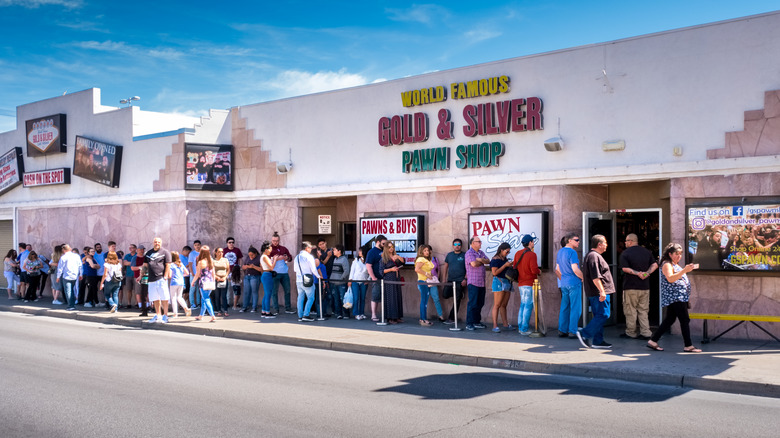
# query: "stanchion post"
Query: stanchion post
321,318
536,333
382,302
455,308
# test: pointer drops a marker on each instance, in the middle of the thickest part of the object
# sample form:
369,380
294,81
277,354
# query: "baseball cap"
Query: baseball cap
527,239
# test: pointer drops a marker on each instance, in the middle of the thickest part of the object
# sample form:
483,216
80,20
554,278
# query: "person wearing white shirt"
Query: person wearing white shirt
68,271
305,265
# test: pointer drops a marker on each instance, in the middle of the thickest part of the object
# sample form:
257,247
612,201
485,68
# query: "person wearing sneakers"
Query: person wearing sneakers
111,280
567,269
157,261
476,260
527,271
178,272
305,265
637,264
598,284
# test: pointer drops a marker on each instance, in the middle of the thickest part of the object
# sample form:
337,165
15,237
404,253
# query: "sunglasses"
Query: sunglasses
456,244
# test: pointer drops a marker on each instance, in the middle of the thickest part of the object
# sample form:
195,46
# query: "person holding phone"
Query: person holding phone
675,296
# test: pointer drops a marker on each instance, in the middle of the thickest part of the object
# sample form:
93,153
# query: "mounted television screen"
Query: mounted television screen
46,135
208,167
735,237
11,169
406,233
97,161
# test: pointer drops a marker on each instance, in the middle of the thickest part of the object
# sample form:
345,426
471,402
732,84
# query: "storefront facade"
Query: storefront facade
646,128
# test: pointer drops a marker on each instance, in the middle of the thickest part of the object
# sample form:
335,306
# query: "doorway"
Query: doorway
615,226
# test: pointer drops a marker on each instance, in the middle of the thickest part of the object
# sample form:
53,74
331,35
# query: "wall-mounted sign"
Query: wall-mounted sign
46,135
495,228
97,161
324,222
208,167
11,169
47,177
736,237
406,232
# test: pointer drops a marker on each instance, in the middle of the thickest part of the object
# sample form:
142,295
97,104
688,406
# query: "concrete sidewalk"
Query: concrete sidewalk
733,366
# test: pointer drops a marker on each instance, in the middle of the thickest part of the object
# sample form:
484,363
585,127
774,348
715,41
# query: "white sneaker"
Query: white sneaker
88,305
56,302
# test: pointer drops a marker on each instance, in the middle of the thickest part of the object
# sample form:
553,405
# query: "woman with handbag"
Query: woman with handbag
675,296
502,288
221,271
306,275
426,275
205,274
112,280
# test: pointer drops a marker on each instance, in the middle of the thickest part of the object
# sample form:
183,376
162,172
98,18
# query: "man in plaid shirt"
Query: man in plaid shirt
476,260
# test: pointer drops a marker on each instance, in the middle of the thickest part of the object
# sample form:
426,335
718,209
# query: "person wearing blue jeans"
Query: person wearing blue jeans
68,270
598,284
358,299
427,271
305,265
567,268
526,307
252,271
69,289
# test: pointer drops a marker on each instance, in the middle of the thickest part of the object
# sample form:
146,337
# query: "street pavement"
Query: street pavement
68,378
727,365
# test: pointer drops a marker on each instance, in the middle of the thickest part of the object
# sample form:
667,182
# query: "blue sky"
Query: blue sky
189,56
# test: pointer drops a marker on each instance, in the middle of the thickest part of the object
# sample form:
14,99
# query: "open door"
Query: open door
599,223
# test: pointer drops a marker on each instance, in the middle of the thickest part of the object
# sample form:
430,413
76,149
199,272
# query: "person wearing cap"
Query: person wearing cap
528,270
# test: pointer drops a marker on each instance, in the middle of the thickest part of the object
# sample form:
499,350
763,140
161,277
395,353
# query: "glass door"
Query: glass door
599,223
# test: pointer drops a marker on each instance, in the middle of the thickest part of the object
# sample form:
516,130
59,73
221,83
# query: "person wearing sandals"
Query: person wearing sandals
205,273
502,287
424,268
675,295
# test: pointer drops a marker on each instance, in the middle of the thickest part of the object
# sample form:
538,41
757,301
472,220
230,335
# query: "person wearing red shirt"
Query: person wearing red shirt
527,270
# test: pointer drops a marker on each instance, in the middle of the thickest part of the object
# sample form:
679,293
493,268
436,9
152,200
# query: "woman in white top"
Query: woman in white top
304,265
10,267
112,280
358,273
267,278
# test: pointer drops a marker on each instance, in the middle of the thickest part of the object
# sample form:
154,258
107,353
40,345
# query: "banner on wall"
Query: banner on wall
11,169
208,167
743,237
46,135
47,177
406,233
97,161
495,228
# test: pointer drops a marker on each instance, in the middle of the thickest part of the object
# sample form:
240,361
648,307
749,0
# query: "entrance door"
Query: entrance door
599,223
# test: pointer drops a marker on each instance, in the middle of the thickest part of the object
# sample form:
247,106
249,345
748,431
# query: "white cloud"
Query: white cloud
34,4
105,46
475,36
418,13
297,83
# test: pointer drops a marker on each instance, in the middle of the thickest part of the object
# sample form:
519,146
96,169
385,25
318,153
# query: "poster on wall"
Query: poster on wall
495,228
11,169
47,177
406,233
208,167
737,237
97,161
46,135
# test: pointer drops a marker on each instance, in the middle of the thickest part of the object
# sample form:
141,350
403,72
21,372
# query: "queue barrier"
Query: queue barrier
753,319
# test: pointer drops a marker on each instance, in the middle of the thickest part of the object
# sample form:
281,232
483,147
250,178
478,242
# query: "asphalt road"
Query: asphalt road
64,378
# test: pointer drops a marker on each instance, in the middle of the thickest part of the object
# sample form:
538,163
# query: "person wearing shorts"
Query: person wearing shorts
157,261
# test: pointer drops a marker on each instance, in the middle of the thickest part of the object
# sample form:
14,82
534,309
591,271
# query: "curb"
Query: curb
574,370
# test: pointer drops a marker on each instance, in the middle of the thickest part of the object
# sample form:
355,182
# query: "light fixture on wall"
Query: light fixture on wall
613,145
129,100
555,144
283,167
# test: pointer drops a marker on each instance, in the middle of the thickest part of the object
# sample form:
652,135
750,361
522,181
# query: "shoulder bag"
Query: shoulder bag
308,279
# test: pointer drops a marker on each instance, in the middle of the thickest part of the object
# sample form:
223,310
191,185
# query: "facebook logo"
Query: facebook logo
736,211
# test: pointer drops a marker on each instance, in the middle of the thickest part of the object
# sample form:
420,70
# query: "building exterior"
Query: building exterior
651,132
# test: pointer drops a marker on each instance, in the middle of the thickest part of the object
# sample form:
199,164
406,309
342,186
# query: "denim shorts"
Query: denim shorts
501,285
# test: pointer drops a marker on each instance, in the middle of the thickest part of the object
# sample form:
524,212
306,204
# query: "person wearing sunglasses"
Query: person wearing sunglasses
567,268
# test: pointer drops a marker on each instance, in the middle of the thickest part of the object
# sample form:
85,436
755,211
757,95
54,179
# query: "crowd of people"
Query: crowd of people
223,280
